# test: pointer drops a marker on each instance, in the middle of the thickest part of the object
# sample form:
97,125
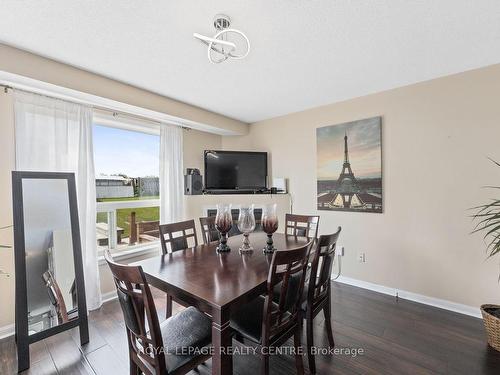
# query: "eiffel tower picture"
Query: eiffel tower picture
346,184
346,173
348,191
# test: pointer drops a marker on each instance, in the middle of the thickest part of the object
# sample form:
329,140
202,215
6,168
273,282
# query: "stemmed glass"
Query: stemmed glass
269,225
223,223
246,224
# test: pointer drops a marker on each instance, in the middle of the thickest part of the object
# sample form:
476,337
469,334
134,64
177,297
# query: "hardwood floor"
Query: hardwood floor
397,337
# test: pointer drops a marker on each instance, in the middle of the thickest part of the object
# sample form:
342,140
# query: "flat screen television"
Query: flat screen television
235,170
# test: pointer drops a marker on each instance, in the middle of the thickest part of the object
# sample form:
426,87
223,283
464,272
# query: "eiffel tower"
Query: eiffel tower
347,186
346,173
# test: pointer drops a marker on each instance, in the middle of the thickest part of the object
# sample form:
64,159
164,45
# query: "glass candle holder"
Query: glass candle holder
223,223
246,225
269,225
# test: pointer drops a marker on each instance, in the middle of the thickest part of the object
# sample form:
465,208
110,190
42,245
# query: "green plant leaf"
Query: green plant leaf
486,206
487,220
485,226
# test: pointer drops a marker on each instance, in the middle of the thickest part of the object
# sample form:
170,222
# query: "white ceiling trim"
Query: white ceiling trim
64,93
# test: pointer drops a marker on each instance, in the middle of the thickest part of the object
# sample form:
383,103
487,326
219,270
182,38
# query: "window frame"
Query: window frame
129,124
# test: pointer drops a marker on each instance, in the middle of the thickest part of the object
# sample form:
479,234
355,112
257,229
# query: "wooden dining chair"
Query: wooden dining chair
208,229
268,323
301,225
176,346
176,237
56,297
318,291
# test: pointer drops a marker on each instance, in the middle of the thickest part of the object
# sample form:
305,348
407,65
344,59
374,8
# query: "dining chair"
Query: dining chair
175,237
268,323
56,297
173,347
208,229
318,291
301,225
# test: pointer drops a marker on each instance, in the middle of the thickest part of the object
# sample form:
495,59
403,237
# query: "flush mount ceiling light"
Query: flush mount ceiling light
226,43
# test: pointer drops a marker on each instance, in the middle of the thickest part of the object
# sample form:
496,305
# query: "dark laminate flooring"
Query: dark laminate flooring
397,337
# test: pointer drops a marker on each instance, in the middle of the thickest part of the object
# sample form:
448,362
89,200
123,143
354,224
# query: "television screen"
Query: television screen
235,170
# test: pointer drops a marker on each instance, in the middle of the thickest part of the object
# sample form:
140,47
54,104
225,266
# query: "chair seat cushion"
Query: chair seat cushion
188,329
247,321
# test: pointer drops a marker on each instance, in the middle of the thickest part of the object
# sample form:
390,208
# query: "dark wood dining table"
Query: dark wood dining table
217,283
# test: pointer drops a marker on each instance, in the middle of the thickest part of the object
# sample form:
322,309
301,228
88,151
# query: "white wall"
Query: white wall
436,139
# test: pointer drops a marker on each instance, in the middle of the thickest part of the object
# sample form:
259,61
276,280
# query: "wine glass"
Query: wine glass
246,224
223,223
269,225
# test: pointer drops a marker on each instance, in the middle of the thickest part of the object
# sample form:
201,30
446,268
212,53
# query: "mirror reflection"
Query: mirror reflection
50,273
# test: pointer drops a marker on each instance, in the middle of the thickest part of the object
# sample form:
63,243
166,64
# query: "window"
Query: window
127,188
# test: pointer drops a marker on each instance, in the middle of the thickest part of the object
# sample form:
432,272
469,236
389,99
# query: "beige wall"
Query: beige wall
6,165
437,136
195,142
29,65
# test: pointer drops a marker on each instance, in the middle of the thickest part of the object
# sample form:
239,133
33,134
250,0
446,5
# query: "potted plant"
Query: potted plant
487,219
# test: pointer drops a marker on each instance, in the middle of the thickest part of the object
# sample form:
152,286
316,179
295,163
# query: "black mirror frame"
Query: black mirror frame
23,339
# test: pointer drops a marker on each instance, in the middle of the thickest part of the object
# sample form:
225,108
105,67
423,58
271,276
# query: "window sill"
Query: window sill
141,250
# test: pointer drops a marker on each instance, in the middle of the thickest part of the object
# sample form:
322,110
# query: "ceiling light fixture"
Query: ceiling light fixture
222,45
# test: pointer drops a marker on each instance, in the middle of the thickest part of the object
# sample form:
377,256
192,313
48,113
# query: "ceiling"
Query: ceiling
304,53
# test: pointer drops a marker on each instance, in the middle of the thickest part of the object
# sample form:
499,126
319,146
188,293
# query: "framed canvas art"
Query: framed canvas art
349,166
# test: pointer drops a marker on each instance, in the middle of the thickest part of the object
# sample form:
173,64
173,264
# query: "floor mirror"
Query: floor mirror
50,292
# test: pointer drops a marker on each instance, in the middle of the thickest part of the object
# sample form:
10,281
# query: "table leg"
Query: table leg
222,360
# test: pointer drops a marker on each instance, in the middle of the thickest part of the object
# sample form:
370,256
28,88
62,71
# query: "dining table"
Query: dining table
217,283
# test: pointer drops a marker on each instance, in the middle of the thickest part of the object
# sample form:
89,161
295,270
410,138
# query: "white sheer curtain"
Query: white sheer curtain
171,174
56,136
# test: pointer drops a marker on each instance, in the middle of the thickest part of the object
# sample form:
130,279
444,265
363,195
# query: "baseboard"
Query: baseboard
109,296
431,301
7,331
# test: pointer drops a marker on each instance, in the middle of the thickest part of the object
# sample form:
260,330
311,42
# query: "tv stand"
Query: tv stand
235,191
201,205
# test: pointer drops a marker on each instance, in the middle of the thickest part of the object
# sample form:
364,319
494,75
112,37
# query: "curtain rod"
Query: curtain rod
113,112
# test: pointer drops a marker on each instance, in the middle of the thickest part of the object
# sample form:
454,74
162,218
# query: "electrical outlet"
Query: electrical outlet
361,257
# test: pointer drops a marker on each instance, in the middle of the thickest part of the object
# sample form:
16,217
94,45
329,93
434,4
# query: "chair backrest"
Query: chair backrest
301,225
286,265
208,229
174,237
321,266
56,297
139,312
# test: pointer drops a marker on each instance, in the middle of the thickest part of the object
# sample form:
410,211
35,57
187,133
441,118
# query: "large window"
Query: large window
127,188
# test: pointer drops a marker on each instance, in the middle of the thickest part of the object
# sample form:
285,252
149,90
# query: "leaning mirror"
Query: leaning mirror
50,296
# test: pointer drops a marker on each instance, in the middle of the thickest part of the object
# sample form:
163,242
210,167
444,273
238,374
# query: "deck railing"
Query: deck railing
120,224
